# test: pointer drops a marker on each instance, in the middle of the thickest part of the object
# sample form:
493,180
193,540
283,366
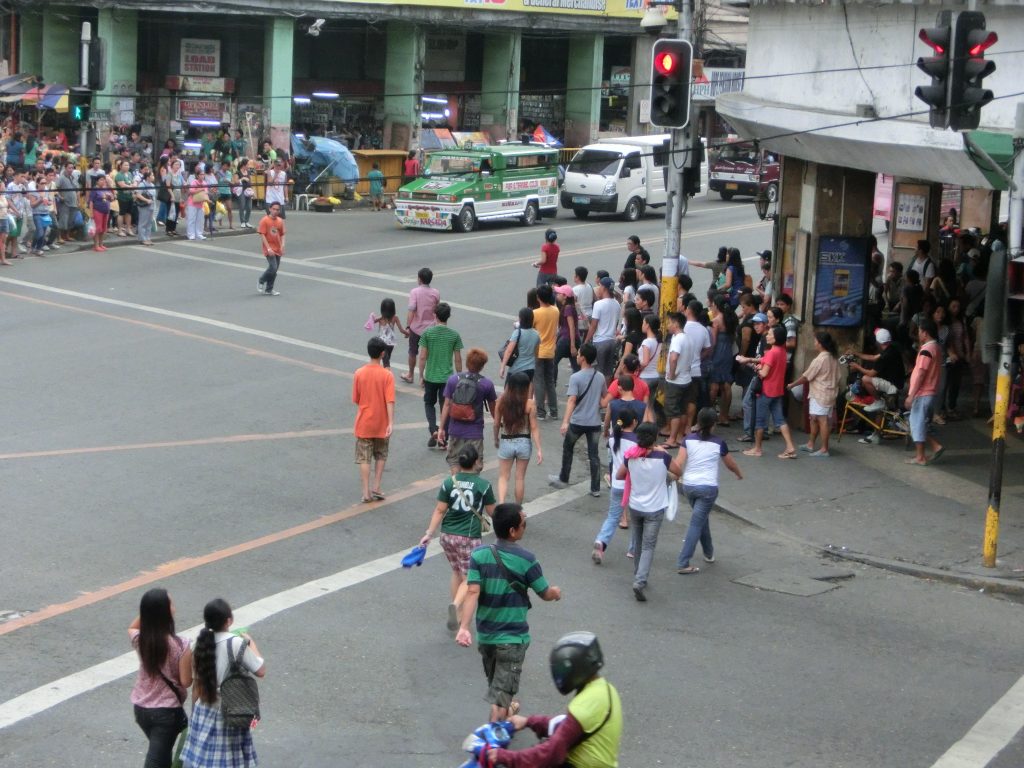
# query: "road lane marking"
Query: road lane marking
583,251
253,351
57,692
304,434
177,567
225,326
436,241
990,734
326,280
306,262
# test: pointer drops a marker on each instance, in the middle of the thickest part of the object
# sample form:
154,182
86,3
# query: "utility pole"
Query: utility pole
1000,407
679,147
83,82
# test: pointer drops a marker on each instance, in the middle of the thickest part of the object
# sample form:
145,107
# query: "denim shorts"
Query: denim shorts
4,228
920,417
765,406
515,448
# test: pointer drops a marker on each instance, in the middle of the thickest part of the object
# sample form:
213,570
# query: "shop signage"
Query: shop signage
446,58
629,9
840,282
200,57
200,109
194,84
910,210
717,81
620,80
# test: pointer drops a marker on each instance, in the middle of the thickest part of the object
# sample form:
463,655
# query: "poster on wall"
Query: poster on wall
200,57
840,282
910,211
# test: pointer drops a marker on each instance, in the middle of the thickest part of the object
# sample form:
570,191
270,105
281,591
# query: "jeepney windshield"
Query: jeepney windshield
449,165
739,153
601,162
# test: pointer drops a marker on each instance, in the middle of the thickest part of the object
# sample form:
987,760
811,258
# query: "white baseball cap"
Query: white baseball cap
882,336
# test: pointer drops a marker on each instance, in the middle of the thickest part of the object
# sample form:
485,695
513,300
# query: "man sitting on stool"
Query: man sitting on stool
887,375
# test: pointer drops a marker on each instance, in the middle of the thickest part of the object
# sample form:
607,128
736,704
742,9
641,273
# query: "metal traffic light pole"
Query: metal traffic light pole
675,189
1001,405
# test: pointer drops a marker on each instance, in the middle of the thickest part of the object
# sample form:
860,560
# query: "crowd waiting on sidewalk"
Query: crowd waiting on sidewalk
50,197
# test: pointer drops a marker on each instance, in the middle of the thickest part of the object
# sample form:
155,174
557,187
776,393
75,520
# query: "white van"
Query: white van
621,175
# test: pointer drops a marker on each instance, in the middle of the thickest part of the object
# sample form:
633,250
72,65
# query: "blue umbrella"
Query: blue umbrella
326,155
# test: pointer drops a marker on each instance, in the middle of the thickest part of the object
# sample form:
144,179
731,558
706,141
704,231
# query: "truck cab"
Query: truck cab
740,168
623,176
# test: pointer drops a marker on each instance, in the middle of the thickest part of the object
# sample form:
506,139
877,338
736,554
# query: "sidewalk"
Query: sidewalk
865,504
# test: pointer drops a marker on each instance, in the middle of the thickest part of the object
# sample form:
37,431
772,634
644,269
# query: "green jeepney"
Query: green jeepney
462,186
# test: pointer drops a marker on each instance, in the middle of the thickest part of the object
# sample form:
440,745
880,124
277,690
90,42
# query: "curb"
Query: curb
121,242
982,583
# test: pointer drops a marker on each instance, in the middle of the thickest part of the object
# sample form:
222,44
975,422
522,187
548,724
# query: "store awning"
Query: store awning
54,97
14,87
903,148
998,146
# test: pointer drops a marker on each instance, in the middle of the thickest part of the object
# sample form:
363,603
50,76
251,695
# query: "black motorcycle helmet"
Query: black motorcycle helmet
575,659
550,235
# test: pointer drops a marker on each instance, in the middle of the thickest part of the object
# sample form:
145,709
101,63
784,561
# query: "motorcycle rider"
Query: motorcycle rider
588,736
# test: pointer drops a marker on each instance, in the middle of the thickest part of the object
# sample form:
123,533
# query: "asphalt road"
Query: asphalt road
163,424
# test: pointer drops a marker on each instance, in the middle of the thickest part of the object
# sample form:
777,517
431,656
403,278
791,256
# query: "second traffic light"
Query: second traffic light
671,69
936,95
970,67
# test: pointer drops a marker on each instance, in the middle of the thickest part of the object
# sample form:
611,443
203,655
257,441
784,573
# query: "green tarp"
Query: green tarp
999,147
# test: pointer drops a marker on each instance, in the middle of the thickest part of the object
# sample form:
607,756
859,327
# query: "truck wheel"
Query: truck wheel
530,215
466,220
726,195
772,192
580,213
634,209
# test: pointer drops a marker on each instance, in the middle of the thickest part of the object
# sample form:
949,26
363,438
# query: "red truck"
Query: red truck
740,168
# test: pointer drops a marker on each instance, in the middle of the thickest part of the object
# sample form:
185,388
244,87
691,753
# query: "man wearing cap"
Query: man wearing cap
748,360
604,322
886,376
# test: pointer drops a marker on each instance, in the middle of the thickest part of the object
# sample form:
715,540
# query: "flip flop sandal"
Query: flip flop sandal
378,496
687,570
787,455
406,379
367,500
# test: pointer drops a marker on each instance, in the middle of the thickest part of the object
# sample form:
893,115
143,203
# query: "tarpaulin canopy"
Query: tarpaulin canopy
54,97
326,155
998,146
14,87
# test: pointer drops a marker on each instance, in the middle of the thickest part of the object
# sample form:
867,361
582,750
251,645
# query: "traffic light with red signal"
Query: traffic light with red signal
671,71
937,66
970,67
957,68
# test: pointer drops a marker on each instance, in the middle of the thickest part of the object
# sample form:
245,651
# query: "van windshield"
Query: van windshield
447,165
601,162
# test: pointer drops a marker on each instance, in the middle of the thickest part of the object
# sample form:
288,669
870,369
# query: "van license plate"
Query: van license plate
732,186
581,199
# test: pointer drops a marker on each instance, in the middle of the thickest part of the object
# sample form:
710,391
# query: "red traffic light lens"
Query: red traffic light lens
666,63
979,48
926,36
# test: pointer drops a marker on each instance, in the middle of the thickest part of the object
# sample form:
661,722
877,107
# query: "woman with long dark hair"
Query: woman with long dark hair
735,276
723,353
632,336
159,691
211,743
515,433
567,340
822,381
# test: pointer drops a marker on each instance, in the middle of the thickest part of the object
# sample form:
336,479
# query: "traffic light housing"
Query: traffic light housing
671,71
939,67
79,101
970,67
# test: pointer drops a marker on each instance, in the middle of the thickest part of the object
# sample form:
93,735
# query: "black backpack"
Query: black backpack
464,406
239,694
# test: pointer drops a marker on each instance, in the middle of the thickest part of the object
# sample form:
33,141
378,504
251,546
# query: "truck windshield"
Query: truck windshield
738,153
596,161
444,165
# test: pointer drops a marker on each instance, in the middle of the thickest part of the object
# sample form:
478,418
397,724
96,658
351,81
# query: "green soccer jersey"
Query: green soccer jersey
440,341
501,609
466,495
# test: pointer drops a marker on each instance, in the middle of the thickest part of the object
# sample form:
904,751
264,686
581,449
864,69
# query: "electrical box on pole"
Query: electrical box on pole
970,67
671,74
939,67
